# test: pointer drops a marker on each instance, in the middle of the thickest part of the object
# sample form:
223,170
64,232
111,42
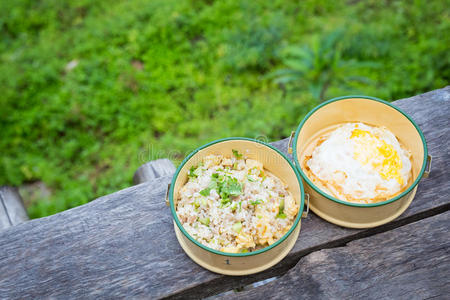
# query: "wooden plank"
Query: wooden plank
410,262
123,244
5,222
153,169
12,210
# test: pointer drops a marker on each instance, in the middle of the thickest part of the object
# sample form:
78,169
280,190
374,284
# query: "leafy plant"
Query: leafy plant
253,47
319,66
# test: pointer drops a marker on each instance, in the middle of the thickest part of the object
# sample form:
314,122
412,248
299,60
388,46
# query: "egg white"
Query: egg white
345,166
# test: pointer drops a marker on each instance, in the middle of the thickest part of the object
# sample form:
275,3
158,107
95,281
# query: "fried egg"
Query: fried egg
359,163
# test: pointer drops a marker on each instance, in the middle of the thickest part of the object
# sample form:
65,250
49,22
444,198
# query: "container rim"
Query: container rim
180,226
297,163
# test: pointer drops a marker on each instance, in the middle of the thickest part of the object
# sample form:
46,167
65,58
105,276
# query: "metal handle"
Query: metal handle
290,142
428,167
167,195
305,213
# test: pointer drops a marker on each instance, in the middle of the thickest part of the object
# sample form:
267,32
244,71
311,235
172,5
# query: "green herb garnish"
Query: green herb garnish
226,186
232,187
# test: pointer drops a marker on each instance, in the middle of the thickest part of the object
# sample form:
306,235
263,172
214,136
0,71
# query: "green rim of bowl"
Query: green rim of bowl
425,153
177,221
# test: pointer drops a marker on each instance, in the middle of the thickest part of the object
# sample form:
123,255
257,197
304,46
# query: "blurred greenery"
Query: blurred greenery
93,89
321,66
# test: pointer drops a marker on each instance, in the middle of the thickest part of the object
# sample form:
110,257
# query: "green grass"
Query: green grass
159,78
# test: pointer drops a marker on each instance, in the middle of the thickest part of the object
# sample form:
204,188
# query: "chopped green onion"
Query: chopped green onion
196,203
225,202
281,216
226,205
250,171
204,203
237,227
192,172
236,154
205,192
256,202
250,178
204,221
213,184
244,250
281,209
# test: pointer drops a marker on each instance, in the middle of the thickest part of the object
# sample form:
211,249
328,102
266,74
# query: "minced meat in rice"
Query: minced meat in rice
232,204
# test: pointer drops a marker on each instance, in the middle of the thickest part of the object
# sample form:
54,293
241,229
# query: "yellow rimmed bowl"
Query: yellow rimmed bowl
239,263
372,111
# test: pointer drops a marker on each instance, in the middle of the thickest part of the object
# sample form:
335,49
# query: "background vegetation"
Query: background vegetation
93,89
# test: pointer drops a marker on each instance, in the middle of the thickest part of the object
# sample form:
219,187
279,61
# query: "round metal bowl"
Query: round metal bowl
372,111
239,263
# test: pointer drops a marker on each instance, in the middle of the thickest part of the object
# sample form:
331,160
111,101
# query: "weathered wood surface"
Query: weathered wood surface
153,169
123,244
409,262
12,210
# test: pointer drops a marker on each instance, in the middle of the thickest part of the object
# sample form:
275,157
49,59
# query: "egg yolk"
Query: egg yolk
382,156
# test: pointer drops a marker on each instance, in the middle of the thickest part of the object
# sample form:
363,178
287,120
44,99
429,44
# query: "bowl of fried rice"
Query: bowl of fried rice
236,205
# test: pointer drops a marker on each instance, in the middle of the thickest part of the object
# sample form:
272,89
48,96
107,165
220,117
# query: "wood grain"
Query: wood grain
153,169
12,210
124,245
5,222
410,262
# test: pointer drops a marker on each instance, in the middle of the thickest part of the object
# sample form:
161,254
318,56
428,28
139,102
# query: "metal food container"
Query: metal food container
239,263
371,111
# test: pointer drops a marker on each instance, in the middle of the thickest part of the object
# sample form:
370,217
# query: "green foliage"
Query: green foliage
316,68
93,89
